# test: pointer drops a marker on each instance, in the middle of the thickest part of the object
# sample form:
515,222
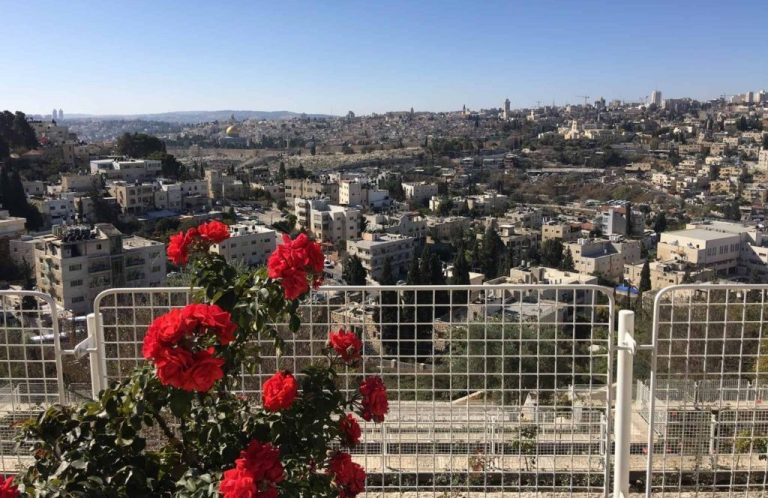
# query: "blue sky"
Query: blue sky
334,56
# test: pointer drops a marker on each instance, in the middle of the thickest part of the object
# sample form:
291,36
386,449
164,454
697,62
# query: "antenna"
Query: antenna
585,97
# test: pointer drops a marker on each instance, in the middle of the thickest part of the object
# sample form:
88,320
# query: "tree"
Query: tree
281,172
660,223
13,198
568,263
460,275
552,253
645,277
354,273
731,210
490,253
171,167
139,145
15,133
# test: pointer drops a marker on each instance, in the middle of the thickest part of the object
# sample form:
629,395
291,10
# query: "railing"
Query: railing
494,389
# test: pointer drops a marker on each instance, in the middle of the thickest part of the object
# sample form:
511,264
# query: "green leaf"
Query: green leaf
181,402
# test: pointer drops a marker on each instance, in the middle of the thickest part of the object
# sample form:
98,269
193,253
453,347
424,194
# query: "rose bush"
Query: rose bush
180,425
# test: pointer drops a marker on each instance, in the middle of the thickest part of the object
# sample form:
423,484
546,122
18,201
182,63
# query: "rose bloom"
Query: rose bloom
348,476
346,344
350,430
255,474
279,391
262,460
375,403
182,369
213,231
293,262
195,317
7,488
179,245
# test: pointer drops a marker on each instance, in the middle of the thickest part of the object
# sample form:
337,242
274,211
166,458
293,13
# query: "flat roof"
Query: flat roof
701,234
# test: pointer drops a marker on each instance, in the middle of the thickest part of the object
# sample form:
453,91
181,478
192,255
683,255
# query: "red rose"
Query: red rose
7,488
179,245
375,404
279,391
296,263
262,460
348,476
213,231
346,344
195,317
189,371
255,474
350,430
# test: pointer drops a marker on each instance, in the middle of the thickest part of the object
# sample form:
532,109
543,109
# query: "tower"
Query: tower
656,98
61,115
506,109
53,115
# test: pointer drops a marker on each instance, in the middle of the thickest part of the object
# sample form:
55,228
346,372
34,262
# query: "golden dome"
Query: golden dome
232,131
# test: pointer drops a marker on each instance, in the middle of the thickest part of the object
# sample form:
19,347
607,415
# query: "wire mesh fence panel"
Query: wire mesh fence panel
703,407
31,375
491,388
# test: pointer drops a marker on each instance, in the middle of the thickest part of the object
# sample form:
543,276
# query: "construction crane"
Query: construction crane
585,97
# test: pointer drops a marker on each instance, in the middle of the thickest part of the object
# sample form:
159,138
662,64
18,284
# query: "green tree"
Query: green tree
460,276
139,145
491,251
13,198
354,273
568,263
645,277
552,253
171,167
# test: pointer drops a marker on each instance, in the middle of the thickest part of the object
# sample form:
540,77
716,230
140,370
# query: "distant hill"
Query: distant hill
197,116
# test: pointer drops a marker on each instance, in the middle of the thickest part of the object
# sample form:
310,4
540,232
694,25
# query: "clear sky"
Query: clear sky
371,56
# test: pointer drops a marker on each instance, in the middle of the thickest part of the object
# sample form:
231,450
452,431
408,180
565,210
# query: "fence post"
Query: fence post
623,422
96,355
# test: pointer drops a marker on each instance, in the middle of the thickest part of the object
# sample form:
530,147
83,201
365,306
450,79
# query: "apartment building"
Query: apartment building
358,193
374,249
11,227
562,231
620,220
310,189
443,229
605,258
411,224
128,170
74,264
665,273
55,211
328,222
419,192
221,185
133,198
80,183
248,244
722,246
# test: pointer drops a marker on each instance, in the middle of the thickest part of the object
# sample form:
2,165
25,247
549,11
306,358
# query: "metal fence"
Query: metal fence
703,399
494,389
491,388
30,366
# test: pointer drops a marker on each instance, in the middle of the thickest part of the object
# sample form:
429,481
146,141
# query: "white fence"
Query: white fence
493,389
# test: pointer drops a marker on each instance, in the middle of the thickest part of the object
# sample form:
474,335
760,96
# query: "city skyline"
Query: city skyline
320,59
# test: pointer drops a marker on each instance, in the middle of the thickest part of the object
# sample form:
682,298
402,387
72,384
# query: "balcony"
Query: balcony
498,390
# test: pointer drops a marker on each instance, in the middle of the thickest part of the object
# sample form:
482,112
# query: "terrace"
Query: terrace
495,390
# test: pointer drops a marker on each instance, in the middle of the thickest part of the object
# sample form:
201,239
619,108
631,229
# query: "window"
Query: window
76,283
78,299
75,267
